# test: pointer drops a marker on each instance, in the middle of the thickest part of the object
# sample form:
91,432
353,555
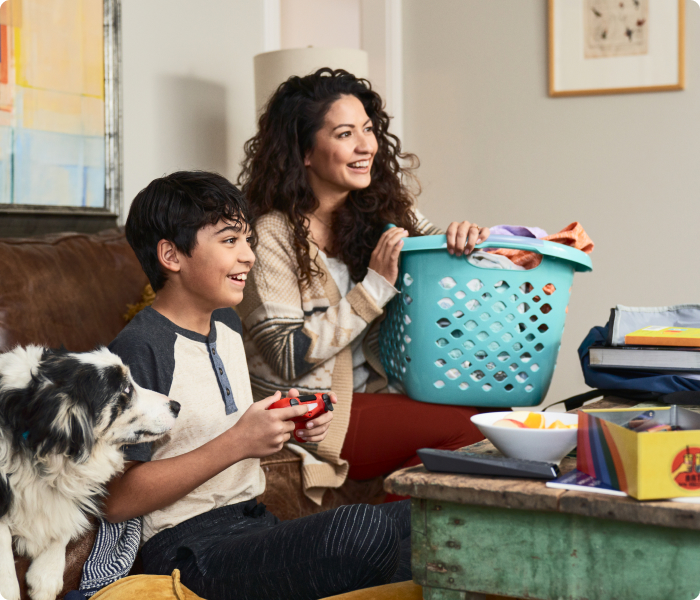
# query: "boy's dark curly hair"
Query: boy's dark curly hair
274,177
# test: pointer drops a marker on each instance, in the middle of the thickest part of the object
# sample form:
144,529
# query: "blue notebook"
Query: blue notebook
575,480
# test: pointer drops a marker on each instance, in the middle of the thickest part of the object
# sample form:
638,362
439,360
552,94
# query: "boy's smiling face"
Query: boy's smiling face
214,275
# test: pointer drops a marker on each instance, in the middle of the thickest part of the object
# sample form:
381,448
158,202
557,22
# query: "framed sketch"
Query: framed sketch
60,134
616,46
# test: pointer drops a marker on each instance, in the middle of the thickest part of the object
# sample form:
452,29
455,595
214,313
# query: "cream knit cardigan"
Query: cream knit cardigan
299,336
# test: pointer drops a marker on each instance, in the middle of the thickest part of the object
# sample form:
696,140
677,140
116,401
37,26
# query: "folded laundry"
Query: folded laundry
491,260
573,235
521,230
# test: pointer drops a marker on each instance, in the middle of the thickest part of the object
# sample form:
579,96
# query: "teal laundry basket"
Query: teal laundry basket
468,335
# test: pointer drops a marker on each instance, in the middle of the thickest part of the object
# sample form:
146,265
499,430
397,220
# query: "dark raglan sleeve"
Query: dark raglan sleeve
149,354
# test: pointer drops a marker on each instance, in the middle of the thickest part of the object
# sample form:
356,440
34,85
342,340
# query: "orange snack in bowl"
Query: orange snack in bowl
534,421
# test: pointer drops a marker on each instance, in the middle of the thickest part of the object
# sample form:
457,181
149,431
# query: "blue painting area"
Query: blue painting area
6,134
58,169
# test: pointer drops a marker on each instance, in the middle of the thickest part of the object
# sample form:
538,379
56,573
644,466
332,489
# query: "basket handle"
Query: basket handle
581,261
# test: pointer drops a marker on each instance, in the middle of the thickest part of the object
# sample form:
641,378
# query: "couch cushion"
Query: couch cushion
69,289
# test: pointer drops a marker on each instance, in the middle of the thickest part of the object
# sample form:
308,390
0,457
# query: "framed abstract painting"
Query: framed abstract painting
60,134
616,46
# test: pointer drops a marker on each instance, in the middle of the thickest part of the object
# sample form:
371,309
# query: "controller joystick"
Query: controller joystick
323,405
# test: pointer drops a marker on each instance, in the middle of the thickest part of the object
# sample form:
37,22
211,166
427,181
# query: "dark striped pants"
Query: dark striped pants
243,552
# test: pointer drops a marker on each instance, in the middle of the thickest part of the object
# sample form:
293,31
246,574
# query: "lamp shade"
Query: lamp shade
273,68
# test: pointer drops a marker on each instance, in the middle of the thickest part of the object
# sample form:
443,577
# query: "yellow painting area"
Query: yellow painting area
52,102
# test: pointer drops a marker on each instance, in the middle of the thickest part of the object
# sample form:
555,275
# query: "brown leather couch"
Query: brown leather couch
73,290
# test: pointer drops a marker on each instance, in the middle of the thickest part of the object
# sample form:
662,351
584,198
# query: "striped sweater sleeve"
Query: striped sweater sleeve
424,226
296,329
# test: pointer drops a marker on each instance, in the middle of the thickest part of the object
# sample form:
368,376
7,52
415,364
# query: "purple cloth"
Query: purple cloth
531,232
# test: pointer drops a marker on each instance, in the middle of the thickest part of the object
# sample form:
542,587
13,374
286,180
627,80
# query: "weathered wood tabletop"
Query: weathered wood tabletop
529,541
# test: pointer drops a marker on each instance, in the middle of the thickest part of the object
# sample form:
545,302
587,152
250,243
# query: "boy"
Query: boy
196,487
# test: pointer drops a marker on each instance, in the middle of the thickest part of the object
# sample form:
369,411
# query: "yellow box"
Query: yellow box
648,465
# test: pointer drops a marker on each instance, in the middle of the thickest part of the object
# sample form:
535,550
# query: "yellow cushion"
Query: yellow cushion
406,590
153,587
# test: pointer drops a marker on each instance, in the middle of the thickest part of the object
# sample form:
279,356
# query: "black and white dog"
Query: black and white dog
63,418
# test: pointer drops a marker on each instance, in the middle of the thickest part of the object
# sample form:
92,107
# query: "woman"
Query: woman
323,178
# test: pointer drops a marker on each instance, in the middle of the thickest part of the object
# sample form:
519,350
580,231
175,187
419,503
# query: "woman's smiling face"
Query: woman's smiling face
341,160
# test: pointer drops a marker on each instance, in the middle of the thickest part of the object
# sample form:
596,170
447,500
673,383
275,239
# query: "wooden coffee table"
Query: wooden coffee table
473,537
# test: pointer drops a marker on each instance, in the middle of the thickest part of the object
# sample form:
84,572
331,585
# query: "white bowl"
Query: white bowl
547,445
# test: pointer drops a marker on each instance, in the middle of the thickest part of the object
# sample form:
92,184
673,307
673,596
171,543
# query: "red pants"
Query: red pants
385,431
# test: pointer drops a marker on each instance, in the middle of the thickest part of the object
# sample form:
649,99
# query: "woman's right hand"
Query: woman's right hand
385,256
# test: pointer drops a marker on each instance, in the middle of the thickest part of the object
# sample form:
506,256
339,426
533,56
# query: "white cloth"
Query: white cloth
380,290
488,260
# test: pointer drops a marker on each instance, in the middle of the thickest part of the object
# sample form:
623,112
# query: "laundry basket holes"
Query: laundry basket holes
458,314
539,347
439,384
509,387
440,362
459,295
517,346
470,325
456,353
484,316
513,366
408,359
536,298
481,336
542,328
506,337
549,289
526,357
407,319
473,304
500,376
477,375
442,342
403,369
445,303
403,348
501,286
407,339
526,287
545,308
444,322
407,299
496,327
475,285
533,318
480,354
530,336
510,317
493,346
535,367
466,364
522,376
491,366
499,307
447,283
513,298
486,296
523,307
452,373
457,333
468,344
529,388
407,279
486,387
503,356
520,327
464,385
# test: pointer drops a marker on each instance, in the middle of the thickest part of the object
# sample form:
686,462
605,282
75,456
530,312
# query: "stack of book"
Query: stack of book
653,348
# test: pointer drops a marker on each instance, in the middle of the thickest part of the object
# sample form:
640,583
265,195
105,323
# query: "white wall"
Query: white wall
188,94
320,23
496,149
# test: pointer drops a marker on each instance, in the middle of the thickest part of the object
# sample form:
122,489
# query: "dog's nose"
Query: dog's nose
174,407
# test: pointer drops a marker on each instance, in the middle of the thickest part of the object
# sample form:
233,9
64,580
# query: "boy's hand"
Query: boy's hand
317,428
263,432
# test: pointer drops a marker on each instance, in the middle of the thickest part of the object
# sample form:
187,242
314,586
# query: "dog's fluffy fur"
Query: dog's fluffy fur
63,418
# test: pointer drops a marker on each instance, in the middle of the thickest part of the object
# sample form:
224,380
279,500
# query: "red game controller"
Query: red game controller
323,405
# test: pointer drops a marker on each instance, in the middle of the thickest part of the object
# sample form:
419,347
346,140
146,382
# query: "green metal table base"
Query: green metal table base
461,551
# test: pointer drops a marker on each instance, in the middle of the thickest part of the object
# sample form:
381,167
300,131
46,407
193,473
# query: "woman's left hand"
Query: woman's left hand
462,237
317,428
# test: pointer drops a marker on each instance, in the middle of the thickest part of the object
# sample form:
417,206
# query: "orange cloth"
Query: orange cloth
573,235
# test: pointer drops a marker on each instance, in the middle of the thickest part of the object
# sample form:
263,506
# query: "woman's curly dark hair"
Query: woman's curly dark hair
274,177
